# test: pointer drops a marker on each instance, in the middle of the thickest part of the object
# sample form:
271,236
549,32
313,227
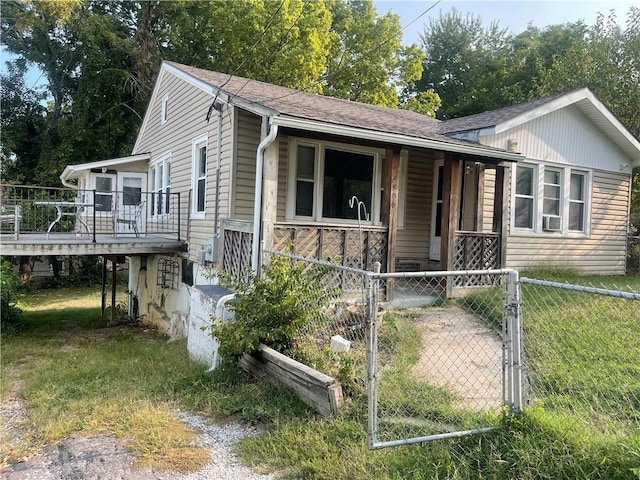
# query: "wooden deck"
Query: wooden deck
35,244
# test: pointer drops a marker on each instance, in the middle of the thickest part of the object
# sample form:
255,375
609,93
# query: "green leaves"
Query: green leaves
274,308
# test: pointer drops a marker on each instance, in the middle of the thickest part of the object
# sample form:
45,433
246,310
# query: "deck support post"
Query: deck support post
103,296
114,281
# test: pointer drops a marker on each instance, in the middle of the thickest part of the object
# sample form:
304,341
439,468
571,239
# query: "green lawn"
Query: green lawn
76,375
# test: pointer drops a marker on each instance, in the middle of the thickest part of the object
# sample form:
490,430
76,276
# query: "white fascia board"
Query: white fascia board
394,138
544,109
71,171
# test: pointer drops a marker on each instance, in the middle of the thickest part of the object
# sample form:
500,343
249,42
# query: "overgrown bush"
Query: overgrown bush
273,308
9,312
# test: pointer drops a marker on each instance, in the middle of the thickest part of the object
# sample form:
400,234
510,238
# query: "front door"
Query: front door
436,211
130,212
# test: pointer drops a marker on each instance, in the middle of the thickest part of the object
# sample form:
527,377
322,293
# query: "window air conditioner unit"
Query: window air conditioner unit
551,223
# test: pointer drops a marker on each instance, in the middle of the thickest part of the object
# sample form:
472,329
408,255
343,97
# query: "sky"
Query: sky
514,15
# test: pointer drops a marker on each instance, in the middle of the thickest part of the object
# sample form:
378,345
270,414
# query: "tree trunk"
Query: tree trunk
25,269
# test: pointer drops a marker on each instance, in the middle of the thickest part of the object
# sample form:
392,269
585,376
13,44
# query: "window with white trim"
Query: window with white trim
550,200
160,181
577,204
199,175
323,177
525,200
104,192
164,113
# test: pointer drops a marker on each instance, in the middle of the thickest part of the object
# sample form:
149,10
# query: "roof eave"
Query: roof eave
71,171
394,138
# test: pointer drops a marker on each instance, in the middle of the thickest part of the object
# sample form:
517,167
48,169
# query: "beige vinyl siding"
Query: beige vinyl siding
412,241
488,200
187,111
602,252
247,141
283,169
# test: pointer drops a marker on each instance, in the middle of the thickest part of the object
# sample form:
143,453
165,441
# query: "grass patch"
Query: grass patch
75,375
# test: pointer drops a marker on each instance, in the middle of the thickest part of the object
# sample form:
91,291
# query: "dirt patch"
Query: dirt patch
462,354
104,457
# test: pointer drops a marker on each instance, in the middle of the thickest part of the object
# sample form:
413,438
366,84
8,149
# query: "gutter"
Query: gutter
257,204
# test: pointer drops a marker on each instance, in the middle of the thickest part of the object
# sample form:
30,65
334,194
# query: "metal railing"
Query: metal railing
90,214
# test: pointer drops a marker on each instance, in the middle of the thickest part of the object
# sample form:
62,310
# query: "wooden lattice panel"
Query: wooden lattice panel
347,246
476,251
236,257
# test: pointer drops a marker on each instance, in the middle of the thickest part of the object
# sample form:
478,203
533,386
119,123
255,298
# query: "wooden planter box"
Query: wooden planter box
319,391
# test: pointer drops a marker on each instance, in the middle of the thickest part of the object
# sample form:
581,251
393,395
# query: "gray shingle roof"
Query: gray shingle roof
490,118
294,103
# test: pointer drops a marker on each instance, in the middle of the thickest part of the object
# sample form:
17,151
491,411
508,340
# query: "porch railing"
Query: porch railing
56,212
475,251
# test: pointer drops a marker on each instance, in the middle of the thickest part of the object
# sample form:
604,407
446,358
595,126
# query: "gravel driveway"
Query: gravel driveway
104,457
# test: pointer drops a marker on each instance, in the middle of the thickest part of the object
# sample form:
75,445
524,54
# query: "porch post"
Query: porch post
450,209
390,181
500,203
269,194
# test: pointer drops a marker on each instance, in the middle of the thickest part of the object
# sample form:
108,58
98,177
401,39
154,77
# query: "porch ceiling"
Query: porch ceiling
69,244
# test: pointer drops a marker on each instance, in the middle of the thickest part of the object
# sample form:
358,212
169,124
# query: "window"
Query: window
199,175
164,116
546,196
523,211
324,178
104,193
577,202
161,185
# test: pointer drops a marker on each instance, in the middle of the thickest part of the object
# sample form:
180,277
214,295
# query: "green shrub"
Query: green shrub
272,309
9,312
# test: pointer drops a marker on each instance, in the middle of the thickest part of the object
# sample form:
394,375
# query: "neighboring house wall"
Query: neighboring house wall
566,138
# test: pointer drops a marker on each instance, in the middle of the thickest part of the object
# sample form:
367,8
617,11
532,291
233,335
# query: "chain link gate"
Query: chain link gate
441,367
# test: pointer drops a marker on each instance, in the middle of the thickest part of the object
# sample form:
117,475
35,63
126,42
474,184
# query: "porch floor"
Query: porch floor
34,244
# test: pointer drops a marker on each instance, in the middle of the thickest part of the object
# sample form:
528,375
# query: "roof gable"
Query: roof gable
501,120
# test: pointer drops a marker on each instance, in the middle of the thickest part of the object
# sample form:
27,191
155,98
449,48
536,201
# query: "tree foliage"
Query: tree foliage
100,59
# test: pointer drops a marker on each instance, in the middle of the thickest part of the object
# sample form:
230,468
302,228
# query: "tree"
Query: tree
367,62
607,60
464,64
284,42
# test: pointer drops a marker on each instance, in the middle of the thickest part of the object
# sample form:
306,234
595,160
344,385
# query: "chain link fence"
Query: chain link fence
582,351
429,365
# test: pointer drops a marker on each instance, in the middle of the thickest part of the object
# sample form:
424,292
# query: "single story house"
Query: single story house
258,165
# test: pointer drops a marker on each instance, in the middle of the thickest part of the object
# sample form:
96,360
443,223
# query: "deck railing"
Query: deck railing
53,212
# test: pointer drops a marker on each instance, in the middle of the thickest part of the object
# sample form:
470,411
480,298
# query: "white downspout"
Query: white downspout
257,204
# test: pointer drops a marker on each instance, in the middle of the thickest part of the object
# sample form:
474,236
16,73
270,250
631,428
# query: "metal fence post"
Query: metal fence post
514,339
371,293
94,217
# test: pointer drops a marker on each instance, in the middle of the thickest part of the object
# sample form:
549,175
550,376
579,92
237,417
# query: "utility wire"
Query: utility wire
278,49
246,57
